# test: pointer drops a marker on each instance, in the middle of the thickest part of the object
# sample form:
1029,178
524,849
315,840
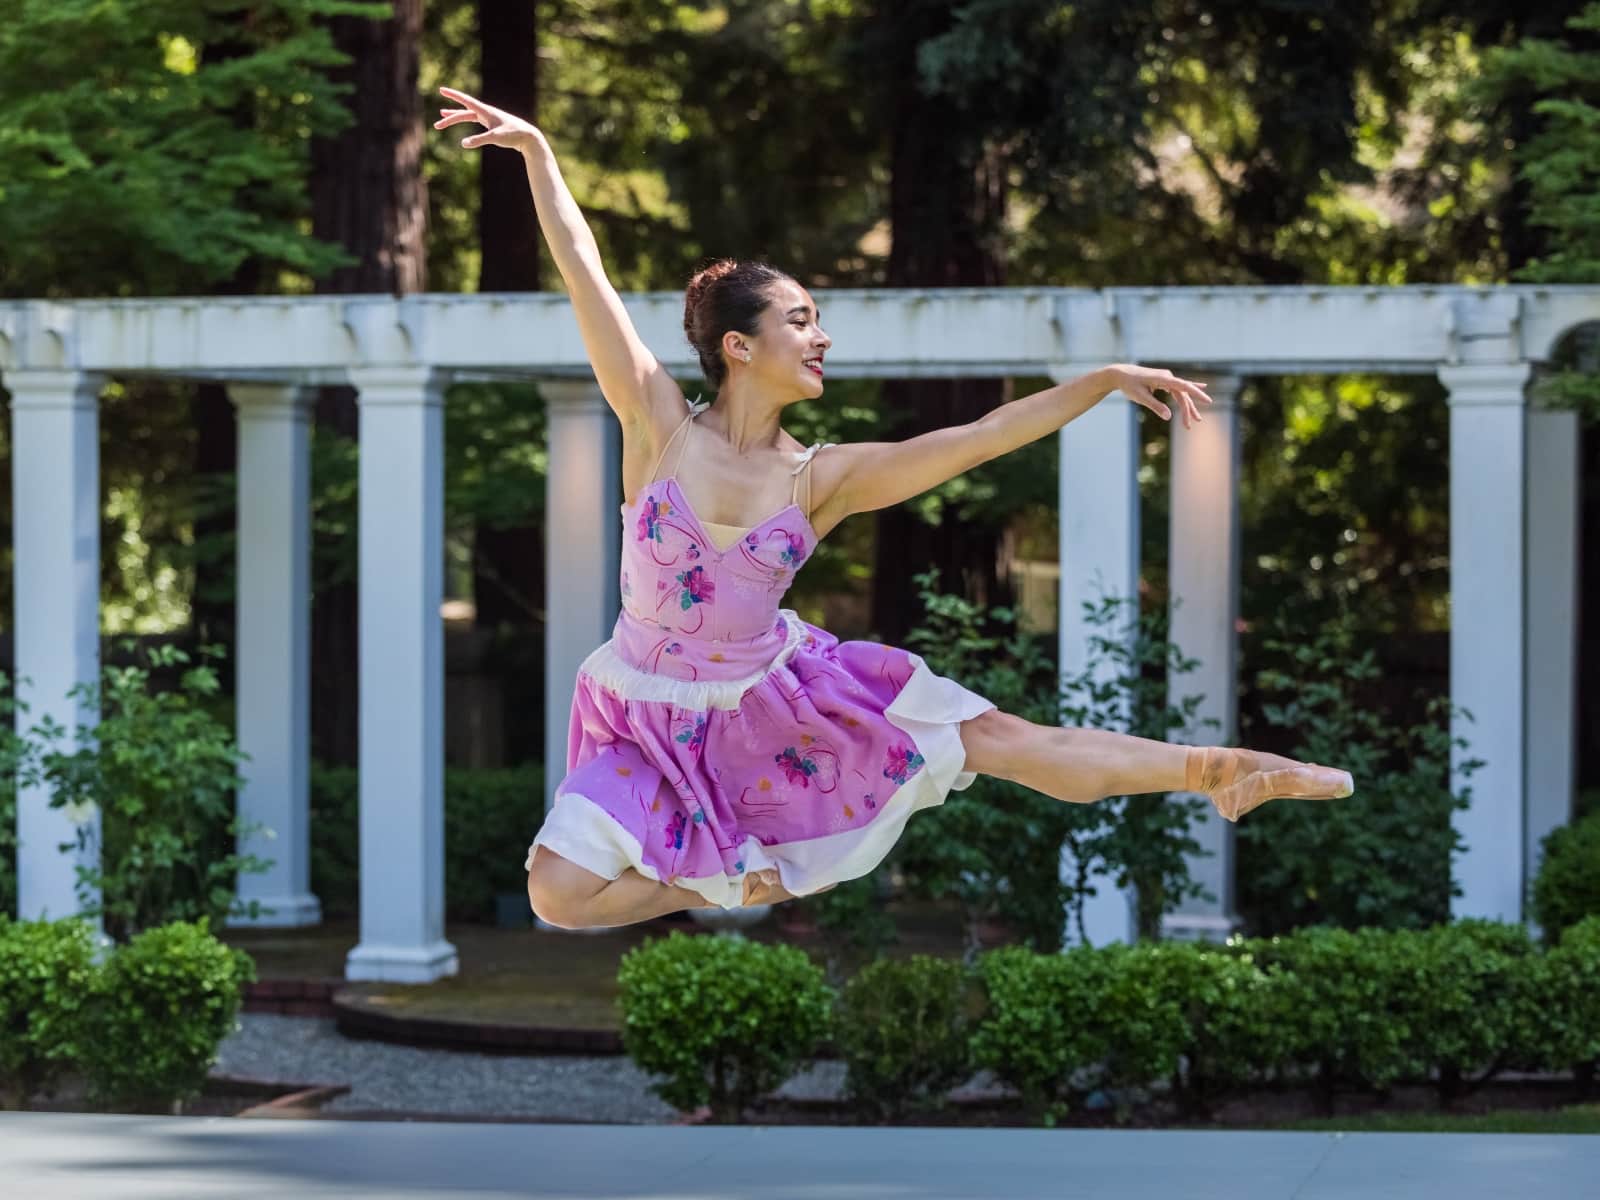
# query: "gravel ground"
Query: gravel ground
411,1079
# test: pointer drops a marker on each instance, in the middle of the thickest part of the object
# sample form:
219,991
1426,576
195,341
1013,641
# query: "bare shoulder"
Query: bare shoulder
654,420
831,470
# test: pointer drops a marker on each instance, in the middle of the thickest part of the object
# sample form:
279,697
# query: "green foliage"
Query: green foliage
1239,1023
1567,886
1379,858
1061,1026
1569,988
854,922
490,816
163,1005
905,1034
47,969
723,1020
163,774
13,753
997,845
154,147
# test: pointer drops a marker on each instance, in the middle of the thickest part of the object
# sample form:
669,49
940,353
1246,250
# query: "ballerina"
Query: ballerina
722,751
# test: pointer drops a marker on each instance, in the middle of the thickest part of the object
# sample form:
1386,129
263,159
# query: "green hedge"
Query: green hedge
1325,1009
142,1025
1567,886
490,816
722,1020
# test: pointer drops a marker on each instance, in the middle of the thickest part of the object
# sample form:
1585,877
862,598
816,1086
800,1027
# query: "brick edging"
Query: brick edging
292,997
356,1020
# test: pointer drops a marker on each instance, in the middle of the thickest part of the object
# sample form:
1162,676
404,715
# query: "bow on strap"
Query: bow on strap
698,406
809,454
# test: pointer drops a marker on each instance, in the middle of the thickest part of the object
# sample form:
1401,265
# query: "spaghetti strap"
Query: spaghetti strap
805,462
696,407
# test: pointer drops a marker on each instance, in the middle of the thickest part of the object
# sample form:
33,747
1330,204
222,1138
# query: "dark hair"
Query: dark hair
726,295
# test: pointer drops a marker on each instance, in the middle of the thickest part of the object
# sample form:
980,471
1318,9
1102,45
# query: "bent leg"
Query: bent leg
568,896
1084,765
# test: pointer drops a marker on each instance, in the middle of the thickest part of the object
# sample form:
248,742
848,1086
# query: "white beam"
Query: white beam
55,505
274,650
1488,558
582,549
1203,576
402,677
1099,549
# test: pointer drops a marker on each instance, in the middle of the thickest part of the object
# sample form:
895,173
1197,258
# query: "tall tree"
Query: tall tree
368,196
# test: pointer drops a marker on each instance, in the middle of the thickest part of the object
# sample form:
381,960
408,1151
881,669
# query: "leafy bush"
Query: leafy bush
1566,888
166,1000
724,1020
1238,1023
997,845
1379,858
46,970
904,1030
164,775
490,816
1060,1026
855,924
1569,984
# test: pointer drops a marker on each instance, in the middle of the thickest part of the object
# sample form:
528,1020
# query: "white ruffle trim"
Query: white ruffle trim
930,709
608,669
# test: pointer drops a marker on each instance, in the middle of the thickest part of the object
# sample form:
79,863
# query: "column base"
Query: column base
1199,927
401,964
279,912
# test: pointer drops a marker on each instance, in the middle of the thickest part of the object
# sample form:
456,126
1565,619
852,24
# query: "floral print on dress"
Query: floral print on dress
796,769
696,588
693,733
651,511
794,551
674,831
901,763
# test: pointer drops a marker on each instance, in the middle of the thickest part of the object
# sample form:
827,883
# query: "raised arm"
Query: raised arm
633,382
873,475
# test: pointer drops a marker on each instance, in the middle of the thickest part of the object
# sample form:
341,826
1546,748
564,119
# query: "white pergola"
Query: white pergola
1513,530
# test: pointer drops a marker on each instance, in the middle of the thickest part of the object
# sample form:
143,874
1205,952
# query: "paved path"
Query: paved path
54,1156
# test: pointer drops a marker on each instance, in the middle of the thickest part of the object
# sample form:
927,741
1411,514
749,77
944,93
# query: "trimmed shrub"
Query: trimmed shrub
1060,1026
46,970
166,1000
1569,983
905,1032
724,1020
1238,1022
1567,886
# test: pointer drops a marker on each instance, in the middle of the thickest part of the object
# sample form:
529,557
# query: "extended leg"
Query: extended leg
564,894
1085,765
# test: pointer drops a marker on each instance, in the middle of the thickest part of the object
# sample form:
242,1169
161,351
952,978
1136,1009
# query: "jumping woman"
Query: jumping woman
722,751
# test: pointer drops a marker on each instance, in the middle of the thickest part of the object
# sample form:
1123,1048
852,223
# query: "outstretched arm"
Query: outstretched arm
873,475
632,380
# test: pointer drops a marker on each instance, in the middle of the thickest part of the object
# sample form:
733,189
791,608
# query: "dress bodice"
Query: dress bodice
693,611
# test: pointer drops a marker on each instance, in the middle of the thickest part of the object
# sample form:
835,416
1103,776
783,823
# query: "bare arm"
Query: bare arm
634,383
873,475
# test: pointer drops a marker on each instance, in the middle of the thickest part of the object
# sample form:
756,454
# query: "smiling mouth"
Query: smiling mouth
814,365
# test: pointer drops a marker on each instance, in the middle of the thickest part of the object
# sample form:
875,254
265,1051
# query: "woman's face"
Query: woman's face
786,353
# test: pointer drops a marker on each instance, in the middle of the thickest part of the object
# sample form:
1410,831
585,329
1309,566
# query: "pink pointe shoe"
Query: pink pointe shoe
1237,781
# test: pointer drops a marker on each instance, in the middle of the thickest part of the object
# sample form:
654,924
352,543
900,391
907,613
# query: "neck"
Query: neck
748,419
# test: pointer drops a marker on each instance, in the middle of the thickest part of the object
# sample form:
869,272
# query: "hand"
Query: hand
1140,384
501,128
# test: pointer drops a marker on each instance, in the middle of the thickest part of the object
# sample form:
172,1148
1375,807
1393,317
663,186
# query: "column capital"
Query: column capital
1497,384
53,389
256,399
572,395
399,385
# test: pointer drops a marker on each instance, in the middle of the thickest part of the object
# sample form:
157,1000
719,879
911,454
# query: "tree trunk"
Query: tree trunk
368,195
946,202
508,564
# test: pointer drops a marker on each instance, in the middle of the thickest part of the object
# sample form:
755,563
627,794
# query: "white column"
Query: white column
273,699
402,677
55,505
582,548
1488,559
1099,532
1551,595
1203,567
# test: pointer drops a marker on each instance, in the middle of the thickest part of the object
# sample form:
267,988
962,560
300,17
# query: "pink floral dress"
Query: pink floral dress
716,734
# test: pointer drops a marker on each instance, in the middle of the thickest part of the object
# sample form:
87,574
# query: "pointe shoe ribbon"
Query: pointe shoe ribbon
1237,781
